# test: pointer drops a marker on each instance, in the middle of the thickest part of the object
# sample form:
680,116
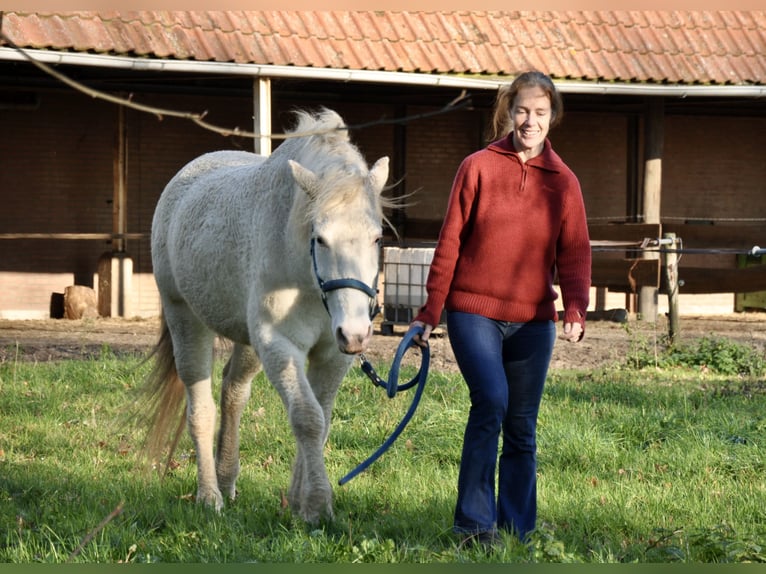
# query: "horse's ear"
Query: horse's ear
379,174
305,178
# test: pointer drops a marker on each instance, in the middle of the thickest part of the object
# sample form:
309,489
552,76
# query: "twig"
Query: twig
112,515
663,538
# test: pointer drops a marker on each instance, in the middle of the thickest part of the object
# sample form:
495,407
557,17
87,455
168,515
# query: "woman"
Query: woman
515,217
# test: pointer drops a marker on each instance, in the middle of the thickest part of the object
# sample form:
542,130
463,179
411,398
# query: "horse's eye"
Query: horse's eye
378,240
321,240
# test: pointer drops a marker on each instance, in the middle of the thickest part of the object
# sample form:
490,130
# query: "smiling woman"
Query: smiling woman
515,217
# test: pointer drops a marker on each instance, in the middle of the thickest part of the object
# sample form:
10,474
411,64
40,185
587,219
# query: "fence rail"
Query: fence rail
77,236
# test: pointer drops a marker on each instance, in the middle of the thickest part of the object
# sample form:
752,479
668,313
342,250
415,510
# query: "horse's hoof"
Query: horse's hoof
211,498
314,517
228,490
311,511
315,512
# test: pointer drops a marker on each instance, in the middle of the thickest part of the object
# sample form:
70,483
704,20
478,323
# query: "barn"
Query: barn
664,123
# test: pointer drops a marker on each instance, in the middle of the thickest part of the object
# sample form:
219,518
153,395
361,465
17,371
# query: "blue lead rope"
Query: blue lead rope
392,386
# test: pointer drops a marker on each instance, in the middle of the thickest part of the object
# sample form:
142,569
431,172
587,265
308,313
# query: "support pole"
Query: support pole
115,268
119,192
262,115
652,191
670,266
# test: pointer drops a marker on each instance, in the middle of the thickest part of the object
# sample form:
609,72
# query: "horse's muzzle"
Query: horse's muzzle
353,343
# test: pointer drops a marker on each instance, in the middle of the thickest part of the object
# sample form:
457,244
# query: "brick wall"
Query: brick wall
435,148
714,168
56,175
594,146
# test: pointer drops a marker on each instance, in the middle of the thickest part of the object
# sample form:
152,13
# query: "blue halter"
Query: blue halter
392,386
345,283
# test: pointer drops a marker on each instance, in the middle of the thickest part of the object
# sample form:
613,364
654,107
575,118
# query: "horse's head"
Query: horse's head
346,229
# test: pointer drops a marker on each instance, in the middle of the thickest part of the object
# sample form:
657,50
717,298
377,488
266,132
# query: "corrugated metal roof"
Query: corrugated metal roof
676,47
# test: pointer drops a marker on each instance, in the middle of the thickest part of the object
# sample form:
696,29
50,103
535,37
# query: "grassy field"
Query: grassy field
659,459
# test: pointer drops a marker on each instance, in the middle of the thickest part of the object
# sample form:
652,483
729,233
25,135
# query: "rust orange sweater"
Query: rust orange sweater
509,227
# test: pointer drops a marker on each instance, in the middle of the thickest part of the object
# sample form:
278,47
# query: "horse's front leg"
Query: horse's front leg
310,493
325,373
238,374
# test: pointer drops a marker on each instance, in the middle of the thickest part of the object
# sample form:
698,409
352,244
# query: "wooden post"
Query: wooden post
652,191
120,190
601,298
670,265
115,285
115,268
262,115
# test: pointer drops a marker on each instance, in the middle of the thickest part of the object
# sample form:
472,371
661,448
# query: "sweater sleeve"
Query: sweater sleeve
454,227
573,257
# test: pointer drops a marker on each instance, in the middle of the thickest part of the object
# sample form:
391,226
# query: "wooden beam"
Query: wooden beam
78,236
120,190
699,280
654,119
727,236
625,275
262,115
629,232
654,134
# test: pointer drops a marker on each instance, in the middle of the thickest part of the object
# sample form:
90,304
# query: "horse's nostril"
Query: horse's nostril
352,343
340,336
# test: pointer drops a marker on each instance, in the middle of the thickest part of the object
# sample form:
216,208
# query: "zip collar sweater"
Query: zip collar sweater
509,228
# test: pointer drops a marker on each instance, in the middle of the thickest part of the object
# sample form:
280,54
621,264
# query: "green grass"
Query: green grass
637,463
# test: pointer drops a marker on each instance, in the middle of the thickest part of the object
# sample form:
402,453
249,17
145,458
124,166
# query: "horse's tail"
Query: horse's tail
164,401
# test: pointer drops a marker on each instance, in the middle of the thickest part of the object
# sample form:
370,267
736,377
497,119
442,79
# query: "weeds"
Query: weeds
716,355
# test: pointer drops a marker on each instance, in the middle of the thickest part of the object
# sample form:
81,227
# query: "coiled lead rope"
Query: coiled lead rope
392,386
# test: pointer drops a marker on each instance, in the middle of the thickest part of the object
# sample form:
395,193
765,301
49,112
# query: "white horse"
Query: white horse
279,255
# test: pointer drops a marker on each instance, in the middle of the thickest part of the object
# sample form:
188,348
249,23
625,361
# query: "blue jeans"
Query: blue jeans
504,365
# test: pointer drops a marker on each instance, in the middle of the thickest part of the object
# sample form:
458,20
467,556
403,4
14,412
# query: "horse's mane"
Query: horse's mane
320,142
324,128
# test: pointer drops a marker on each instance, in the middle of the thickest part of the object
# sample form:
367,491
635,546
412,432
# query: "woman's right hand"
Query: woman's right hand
421,339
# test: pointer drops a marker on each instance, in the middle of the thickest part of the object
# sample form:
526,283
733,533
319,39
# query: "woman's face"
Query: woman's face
531,115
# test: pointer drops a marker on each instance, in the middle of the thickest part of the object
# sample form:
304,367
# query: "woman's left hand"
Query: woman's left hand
572,332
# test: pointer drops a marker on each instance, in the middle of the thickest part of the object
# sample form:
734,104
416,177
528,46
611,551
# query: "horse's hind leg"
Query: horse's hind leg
193,350
238,374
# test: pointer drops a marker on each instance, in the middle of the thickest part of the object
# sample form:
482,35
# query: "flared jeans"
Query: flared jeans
505,366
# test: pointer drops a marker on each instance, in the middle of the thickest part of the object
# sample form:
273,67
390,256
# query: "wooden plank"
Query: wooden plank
83,236
623,231
625,275
631,232
718,236
698,280
611,269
